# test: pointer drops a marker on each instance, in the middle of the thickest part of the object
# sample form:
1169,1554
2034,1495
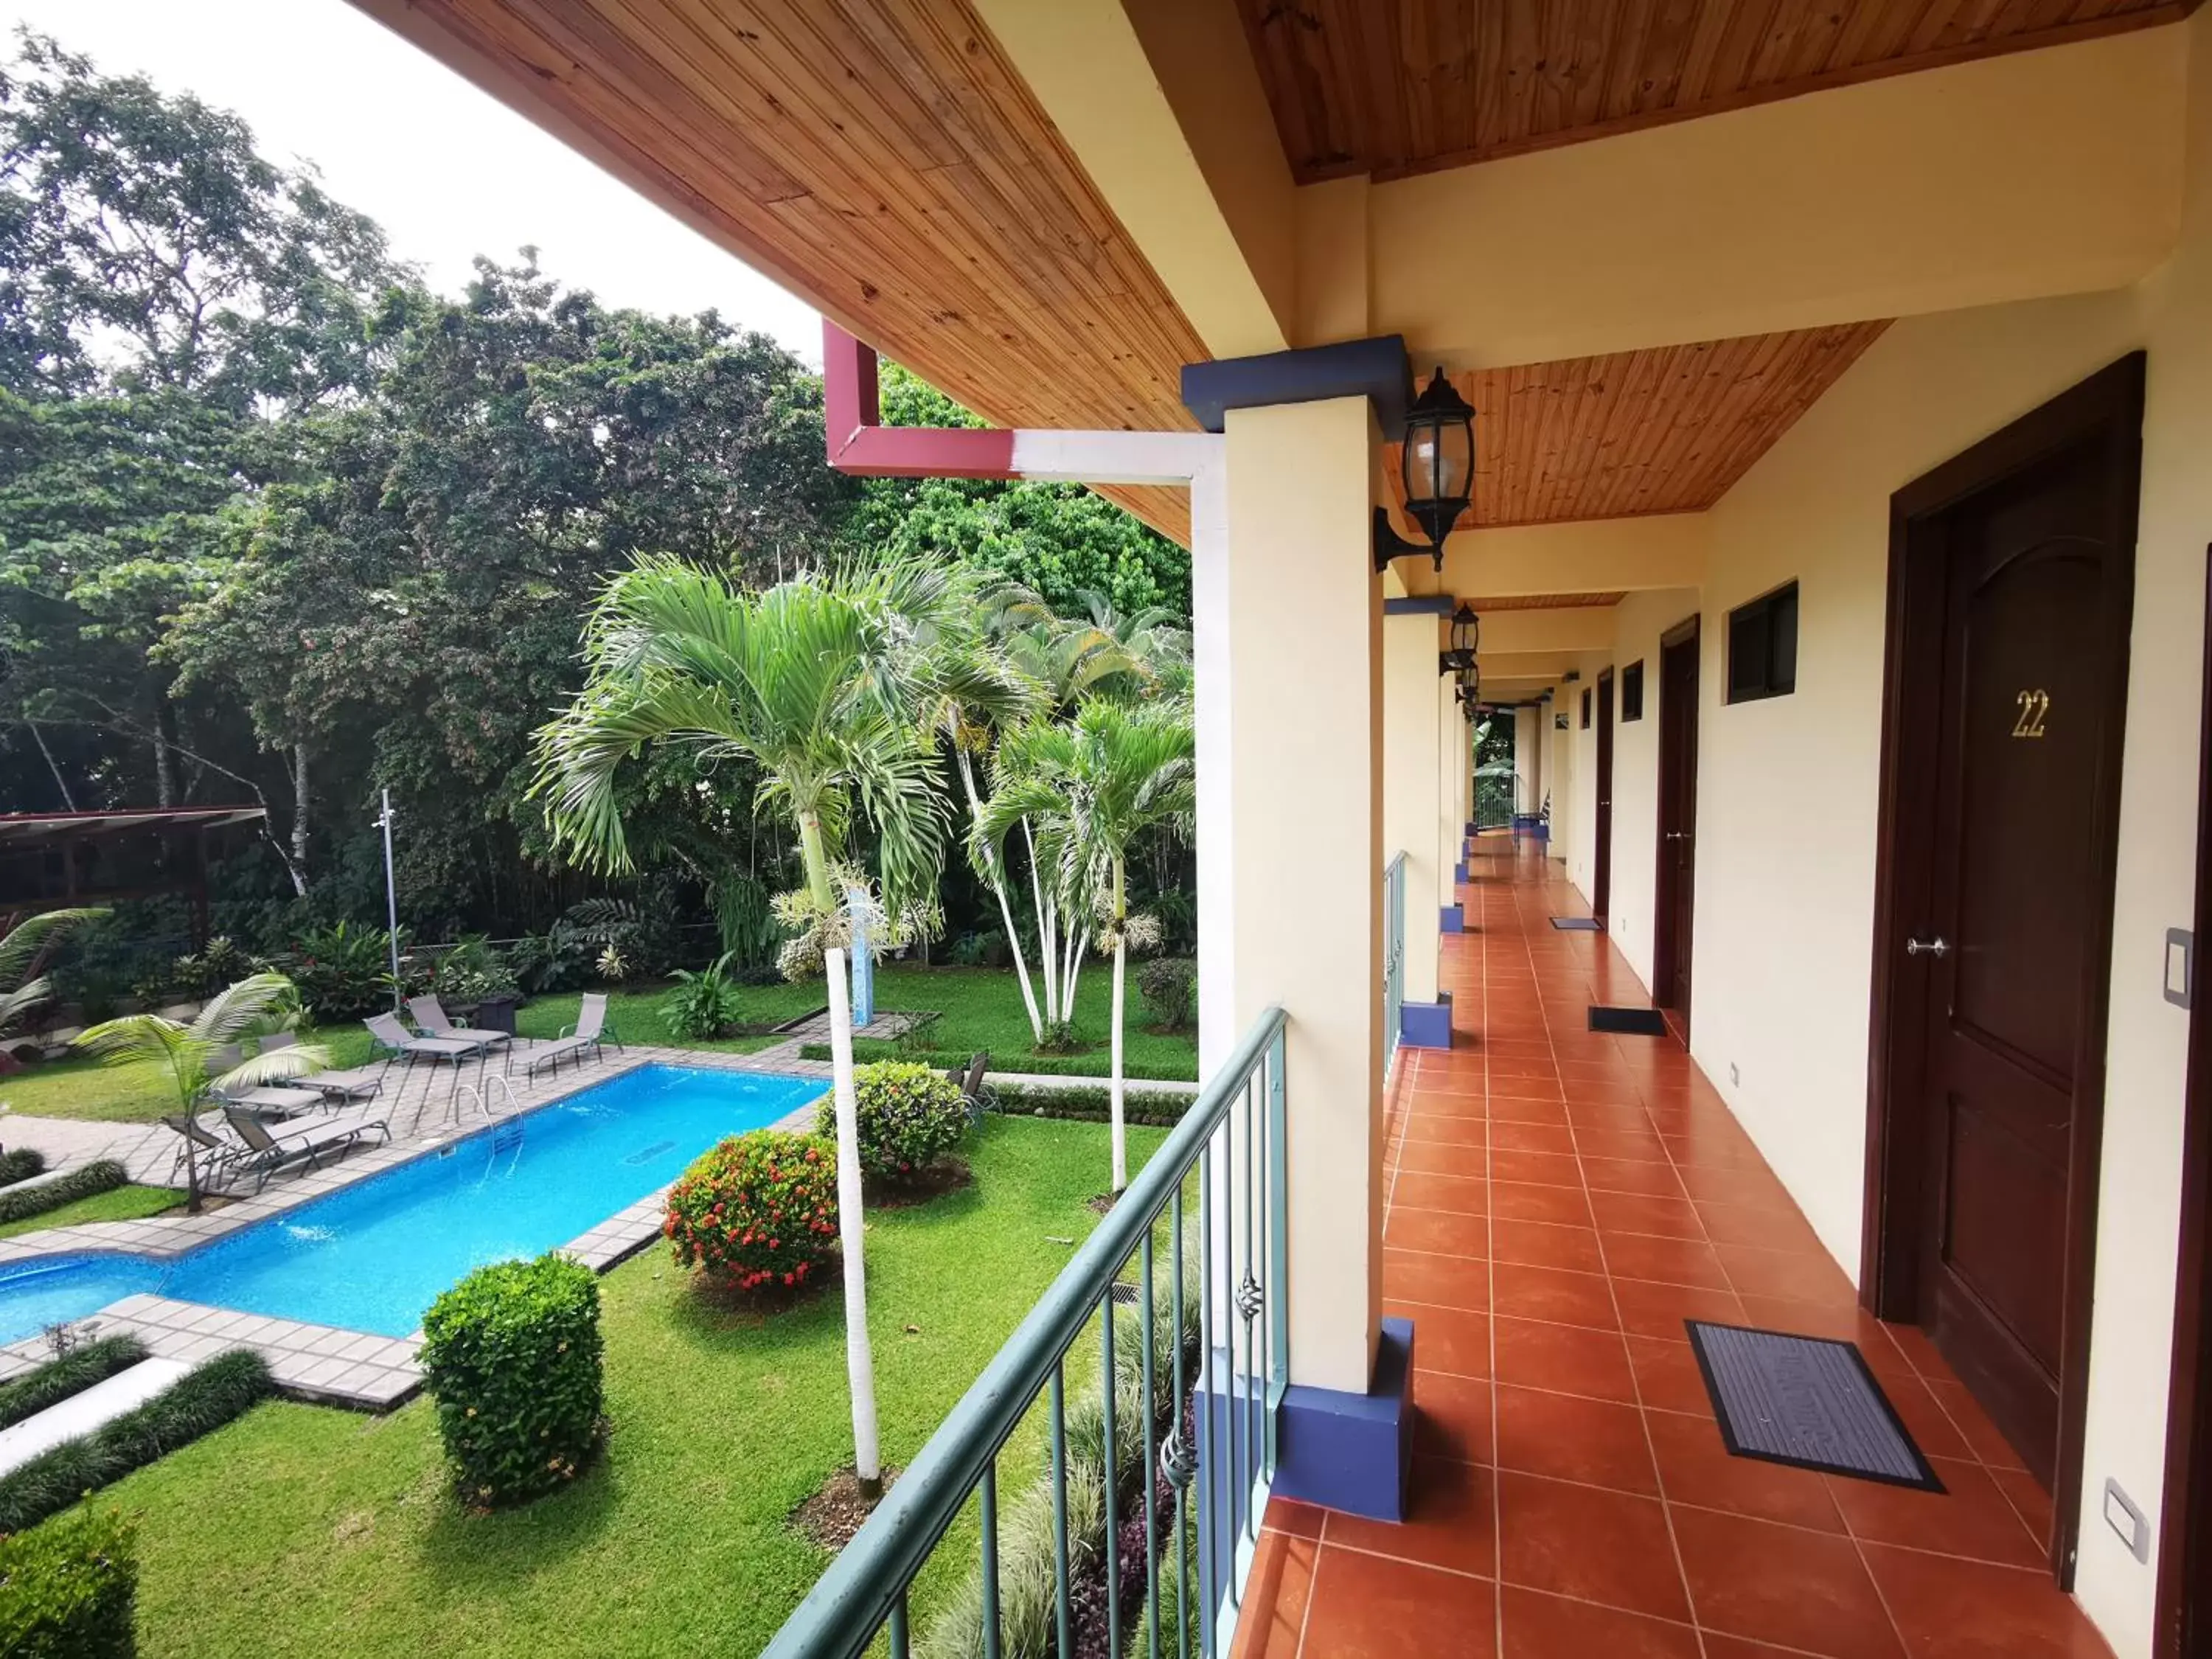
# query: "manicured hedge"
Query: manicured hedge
1095,1105
200,1402
21,1165
68,1591
104,1176
909,1117
73,1373
512,1354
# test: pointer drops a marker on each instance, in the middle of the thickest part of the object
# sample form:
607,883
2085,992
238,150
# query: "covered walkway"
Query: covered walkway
1560,1202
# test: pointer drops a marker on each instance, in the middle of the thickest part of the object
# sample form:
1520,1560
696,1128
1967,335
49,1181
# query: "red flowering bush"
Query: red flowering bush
759,1209
909,1117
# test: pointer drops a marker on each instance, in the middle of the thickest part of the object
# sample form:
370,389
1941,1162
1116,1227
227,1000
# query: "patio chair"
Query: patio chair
398,1040
590,1027
271,1099
268,1154
530,1053
970,1081
430,1014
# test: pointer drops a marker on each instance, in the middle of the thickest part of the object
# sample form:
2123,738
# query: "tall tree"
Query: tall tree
1090,787
808,682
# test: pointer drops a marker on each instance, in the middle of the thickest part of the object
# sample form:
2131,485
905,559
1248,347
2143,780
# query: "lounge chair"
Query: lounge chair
272,1099
398,1040
588,1035
267,1153
430,1014
348,1083
216,1155
591,1029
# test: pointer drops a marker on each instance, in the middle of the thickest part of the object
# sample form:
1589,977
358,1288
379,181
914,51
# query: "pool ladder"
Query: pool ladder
482,1097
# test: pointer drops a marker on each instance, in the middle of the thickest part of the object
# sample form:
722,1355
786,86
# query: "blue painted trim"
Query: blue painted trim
1376,369
1459,873
1451,919
1426,1024
1352,1451
1421,605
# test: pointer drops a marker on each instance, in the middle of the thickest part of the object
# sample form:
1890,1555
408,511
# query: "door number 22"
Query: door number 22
2033,706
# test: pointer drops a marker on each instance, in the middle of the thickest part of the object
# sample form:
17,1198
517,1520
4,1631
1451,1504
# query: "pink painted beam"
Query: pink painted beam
860,444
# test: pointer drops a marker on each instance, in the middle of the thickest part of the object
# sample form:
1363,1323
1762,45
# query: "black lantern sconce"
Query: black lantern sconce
1438,470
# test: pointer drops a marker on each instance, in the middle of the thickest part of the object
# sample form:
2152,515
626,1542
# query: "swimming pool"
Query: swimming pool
373,1256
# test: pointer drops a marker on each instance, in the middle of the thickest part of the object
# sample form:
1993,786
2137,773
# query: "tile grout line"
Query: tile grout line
1635,1383
1489,1297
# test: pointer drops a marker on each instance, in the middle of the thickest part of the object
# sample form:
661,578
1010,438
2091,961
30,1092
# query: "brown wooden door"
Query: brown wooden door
1676,889
1601,875
2011,592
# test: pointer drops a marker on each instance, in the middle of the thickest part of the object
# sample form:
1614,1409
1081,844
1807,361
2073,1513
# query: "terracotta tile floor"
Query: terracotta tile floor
1560,1202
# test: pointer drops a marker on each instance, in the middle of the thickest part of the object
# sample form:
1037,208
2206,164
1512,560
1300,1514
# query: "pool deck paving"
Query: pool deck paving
426,1107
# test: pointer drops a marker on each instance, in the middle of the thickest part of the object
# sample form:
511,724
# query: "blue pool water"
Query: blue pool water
374,1256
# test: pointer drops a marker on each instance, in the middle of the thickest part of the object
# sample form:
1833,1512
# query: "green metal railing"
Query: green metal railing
1219,1377
1394,957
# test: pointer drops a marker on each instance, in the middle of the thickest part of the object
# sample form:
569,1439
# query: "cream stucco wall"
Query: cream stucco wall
1787,795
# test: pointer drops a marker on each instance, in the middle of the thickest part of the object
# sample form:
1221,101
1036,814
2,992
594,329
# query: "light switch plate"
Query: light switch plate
2180,966
2125,1519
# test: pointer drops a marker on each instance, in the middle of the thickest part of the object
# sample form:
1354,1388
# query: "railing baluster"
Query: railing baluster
1113,1508
900,1642
863,1597
992,1639
1278,1241
1148,1474
1063,1626
1209,1436
1181,1410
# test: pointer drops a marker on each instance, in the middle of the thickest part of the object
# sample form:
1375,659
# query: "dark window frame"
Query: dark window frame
1586,708
1632,692
1762,646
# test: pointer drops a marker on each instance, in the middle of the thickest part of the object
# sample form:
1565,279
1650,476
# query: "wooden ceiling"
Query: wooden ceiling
881,159
1666,430
1393,87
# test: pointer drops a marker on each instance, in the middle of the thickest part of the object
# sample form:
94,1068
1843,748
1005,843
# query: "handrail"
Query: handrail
865,1588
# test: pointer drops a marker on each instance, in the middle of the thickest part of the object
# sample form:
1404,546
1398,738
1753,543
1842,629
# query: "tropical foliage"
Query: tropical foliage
910,1116
24,949
197,1058
758,1211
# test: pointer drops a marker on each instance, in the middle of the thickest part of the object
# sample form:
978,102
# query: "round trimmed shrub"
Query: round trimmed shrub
909,1115
68,1591
512,1354
758,1210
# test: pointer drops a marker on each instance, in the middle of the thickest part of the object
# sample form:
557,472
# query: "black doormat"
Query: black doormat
1629,1022
1576,924
1808,1402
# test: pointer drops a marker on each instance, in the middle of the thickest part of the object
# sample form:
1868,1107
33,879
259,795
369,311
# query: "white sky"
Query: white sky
447,170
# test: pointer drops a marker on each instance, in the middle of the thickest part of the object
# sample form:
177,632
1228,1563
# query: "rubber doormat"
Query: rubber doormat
1576,924
1629,1022
1806,1401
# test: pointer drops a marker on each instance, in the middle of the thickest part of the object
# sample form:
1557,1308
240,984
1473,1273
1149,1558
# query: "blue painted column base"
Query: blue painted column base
1451,919
1350,1452
1426,1024
1459,873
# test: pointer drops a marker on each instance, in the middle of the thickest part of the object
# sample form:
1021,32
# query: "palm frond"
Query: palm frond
276,1065
133,1038
33,936
255,1004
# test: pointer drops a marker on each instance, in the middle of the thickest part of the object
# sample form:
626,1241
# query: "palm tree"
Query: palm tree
816,682
183,1054
23,950
1092,785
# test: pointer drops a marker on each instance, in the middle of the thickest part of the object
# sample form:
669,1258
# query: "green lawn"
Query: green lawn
301,1530
119,1204
981,1008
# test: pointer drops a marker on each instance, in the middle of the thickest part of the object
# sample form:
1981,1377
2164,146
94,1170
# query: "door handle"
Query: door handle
1938,947
1678,835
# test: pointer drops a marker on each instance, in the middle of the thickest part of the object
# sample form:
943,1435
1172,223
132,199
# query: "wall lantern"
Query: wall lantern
1437,469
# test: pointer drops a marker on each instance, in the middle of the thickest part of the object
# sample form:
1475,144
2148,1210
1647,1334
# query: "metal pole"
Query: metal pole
390,898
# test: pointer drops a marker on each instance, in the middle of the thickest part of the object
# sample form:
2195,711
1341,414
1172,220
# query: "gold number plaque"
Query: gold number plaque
2033,706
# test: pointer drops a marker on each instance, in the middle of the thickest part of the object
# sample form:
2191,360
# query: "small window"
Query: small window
1586,708
1762,646
1632,692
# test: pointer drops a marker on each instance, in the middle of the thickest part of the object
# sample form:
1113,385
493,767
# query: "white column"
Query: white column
1451,790
1413,789
1287,612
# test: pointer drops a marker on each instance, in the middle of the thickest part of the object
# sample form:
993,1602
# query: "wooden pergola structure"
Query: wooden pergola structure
50,860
